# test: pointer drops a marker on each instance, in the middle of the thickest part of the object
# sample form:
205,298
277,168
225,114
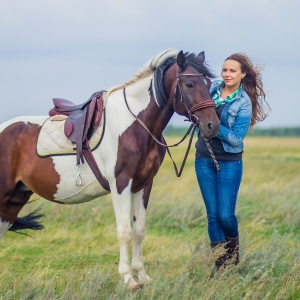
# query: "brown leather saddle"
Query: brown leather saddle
80,125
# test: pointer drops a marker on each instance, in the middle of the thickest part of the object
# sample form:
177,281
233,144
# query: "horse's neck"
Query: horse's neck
142,102
137,95
158,117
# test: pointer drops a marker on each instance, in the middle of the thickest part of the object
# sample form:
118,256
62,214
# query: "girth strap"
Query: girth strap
89,157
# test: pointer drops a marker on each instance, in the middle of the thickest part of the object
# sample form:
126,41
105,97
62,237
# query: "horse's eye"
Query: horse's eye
189,85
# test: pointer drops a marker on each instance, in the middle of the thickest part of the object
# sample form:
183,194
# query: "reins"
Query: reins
191,128
192,118
210,150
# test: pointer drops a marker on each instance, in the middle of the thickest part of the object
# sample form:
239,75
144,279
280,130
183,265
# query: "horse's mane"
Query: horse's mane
158,65
202,68
148,68
191,59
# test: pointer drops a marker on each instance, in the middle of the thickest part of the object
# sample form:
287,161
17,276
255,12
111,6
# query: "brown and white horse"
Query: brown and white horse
128,156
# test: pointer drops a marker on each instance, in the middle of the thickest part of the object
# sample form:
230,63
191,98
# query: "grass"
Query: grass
76,255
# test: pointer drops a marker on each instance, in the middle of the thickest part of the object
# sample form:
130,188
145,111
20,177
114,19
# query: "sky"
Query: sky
72,48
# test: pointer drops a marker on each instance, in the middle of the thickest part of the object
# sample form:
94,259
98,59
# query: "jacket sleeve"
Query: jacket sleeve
236,134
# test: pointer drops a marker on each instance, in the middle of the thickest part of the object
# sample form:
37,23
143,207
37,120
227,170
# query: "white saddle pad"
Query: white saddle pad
52,139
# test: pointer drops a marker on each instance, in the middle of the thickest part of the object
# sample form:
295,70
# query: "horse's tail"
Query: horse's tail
30,221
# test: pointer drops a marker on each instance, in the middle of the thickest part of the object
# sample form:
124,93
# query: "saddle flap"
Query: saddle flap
68,128
96,116
90,115
75,126
98,113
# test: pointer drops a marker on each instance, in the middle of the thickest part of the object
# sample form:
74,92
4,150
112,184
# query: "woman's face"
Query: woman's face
232,74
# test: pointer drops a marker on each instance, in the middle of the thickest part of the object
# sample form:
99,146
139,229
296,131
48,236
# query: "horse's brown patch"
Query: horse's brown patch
21,161
139,154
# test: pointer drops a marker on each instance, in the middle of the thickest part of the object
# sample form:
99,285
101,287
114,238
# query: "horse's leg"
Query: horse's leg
6,218
10,206
19,163
140,201
122,208
8,213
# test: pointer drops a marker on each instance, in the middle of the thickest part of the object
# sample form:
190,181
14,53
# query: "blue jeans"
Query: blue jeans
219,191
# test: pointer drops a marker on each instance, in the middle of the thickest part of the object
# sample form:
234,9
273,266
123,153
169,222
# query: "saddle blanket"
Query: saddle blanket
52,139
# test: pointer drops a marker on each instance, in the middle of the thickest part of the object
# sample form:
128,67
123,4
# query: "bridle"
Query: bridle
190,110
192,118
183,100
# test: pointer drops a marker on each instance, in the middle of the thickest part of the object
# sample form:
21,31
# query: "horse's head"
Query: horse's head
191,93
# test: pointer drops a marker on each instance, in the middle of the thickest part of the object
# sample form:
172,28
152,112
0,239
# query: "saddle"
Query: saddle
80,125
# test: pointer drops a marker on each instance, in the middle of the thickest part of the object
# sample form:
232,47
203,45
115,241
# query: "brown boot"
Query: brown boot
233,251
221,260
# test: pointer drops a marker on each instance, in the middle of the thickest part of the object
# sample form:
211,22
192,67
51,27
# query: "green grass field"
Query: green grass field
76,255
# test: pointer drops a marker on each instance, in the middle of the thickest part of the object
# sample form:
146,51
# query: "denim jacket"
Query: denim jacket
235,120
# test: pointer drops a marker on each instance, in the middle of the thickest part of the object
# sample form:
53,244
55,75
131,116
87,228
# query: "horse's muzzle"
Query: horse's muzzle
209,129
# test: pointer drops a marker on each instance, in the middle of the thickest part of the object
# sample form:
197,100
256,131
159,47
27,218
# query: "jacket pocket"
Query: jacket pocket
231,117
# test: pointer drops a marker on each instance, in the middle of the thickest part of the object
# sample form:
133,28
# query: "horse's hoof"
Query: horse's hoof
145,280
137,288
133,285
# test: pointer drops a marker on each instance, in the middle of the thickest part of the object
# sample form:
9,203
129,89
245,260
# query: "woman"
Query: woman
240,100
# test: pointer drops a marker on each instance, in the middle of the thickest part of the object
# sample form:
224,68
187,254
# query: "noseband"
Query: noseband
183,99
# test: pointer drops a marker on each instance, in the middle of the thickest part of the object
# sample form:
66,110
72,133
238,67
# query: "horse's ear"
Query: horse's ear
181,60
201,57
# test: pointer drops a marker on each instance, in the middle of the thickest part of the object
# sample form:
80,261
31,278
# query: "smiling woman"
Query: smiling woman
239,101
232,75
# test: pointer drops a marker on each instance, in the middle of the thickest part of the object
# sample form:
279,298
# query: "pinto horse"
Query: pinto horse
128,156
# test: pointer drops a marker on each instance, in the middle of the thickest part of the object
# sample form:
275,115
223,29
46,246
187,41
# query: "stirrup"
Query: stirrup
78,179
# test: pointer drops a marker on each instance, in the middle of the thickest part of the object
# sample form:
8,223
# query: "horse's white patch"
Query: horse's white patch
67,191
138,237
118,119
4,226
39,120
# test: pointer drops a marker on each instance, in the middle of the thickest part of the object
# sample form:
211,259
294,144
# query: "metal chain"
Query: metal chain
212,154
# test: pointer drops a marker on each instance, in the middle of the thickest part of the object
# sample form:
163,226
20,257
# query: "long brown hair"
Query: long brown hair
253,86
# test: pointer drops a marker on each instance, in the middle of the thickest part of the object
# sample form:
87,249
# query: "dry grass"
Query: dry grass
76,255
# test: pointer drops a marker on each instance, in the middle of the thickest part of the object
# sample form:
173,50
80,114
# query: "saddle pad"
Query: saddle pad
52,139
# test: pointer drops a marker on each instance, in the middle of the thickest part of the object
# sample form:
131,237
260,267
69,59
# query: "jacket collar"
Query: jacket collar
219,84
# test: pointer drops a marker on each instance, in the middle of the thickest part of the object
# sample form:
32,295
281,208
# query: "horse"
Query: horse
128,156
